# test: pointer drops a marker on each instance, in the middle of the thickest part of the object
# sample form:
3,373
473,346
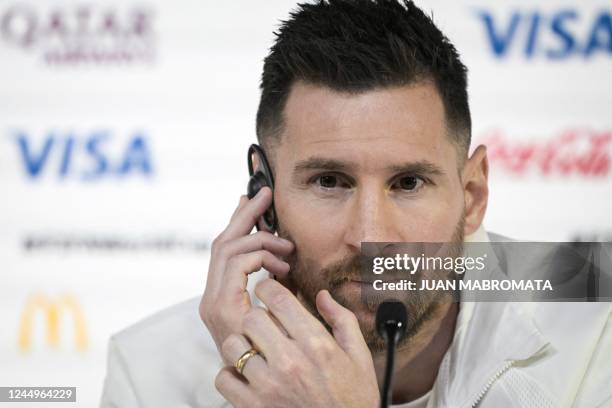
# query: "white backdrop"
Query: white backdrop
123,134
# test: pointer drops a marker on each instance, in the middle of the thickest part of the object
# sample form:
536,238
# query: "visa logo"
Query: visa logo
88,157
555,36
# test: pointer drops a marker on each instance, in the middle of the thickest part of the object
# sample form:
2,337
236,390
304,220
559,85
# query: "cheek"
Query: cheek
315,232
434,220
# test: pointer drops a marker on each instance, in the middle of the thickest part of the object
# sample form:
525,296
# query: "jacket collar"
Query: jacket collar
489,337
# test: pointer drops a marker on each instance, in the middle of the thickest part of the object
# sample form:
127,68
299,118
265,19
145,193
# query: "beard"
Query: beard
307,279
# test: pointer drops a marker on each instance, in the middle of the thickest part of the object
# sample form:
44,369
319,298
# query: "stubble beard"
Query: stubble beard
421,306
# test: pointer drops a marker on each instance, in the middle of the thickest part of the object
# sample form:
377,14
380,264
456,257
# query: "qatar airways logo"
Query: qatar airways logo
580,152
78,34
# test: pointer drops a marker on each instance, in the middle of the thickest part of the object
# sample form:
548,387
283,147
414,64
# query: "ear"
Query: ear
476,188
256,164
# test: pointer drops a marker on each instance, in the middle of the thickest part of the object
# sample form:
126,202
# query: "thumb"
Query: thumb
345,328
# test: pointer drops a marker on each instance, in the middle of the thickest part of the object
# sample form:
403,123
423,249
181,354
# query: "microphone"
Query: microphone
391,326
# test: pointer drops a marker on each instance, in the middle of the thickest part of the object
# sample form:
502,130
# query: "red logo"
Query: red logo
581,152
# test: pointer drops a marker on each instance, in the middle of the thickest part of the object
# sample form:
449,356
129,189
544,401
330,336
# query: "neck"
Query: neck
417,362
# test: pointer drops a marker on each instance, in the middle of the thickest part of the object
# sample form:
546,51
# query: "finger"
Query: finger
287,281
261,240
243,200
253,242
264,334
279,325
345,328
234,347
257,241
231,280
247,216
240,266
284,306
220,252
235,389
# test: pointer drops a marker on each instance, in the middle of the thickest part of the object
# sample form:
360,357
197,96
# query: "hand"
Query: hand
234,255
307,367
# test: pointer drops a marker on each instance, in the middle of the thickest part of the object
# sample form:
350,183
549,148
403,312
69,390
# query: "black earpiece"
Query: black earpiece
259,179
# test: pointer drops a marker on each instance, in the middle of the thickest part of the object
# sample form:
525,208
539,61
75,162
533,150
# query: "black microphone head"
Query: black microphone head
391,314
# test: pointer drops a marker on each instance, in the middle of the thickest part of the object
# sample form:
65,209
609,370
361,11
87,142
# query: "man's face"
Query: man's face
376,166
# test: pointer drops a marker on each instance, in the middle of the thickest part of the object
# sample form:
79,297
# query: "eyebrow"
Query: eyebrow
318,163
424,167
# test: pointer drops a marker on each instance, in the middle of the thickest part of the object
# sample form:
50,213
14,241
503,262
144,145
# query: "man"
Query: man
365,120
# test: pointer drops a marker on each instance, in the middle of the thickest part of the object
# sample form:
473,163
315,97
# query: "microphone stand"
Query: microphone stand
391,324
392,335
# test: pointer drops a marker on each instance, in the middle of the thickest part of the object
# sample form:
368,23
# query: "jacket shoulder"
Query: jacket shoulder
162,360
180,317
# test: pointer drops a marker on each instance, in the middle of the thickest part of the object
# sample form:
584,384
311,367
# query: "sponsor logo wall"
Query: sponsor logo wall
123,135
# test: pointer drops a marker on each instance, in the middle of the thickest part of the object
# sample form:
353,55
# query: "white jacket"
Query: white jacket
540,355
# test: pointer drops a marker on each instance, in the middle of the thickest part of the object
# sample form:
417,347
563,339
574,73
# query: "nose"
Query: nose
373,219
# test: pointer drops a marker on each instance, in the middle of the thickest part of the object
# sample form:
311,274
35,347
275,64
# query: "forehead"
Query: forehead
397,123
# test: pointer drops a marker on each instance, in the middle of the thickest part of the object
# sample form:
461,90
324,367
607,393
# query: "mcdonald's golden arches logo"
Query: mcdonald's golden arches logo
52,311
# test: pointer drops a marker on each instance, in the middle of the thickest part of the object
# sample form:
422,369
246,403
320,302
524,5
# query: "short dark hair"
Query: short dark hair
359,45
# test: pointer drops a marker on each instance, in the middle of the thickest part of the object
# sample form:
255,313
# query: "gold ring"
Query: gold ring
244,358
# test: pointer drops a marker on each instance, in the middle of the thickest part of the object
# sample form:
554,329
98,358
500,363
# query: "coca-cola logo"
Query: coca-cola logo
580,152
81,33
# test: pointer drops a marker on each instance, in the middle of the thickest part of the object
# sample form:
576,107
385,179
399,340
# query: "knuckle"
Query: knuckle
290,369
217,244
260,236
209,320
217,241
319,347
232,343
206,311
212,319
262,255
288,364
243,262
264,238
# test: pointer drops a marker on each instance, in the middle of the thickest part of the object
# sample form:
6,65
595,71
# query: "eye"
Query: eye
409,183
331,181
328,181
